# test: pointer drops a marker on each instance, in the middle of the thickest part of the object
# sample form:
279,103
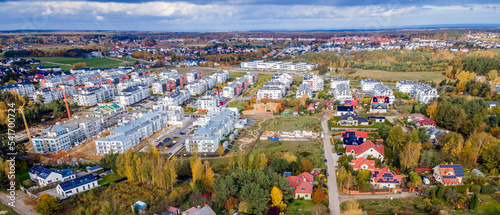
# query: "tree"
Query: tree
395,139
261,161
196,172
383,131
473,202
410,155
431,109
232,160
491,157
30,200
47,204
278,164
306,165
241,160
349,181
423,136
277,198
231,203
224,187
342,174
363,175
352,208
452,145
319,195
480,141
318,209
257,197
79,65
220,150
208,177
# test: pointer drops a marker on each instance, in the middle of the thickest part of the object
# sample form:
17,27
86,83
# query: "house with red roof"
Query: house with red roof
311,108
362,163
426,123
415,117
366,149
302,185
353,137
448,174
384,178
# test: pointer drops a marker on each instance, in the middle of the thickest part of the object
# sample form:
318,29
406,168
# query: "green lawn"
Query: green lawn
109,178
308,149
23,174
129,60
293,123
238,104
236,74
91,62
6,210
300,207
63,67
483,209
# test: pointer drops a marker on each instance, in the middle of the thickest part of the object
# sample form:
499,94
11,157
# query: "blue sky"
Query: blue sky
242,15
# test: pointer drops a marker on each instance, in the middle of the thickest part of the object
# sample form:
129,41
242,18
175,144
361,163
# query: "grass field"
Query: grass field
300,207
293,123
386,206
6,210
238,104
483,209
109,178
397,76
63,67
91,62
310,148
236,74
23,174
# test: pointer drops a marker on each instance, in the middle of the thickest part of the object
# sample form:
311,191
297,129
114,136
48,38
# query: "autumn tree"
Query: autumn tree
242,160
452,145
318,209
208,176
410,155
220,150
47,204
196,172
480,141
395,139
261,162
431,109
306,165
319,195
277,198
352,208
79,65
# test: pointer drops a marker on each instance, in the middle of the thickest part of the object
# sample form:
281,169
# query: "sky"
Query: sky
242,15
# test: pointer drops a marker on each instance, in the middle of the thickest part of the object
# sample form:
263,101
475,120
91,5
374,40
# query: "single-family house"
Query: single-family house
366,149
377,118
352,120
44,176
343,110
415,117
362,163
141,206
491,104
302,185
206,210
77,185
447,174
353,137
426,123
384,178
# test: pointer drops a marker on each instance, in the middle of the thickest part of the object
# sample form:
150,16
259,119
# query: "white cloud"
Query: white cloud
99,18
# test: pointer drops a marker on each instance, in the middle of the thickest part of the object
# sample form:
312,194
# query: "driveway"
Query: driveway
333,193
20,208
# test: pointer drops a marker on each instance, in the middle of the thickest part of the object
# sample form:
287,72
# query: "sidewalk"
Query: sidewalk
20,208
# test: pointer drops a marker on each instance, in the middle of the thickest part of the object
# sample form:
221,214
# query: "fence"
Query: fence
378,191
28,192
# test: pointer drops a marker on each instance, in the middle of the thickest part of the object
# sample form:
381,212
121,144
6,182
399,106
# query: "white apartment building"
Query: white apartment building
175,98
283,78
207,137
368,84
77,185
109,114
383,90
405,86
221,76
194,75
335,81
93,95
21,88
197,87
275,66
342,92
304,89
209,101
424,93
58,137
269,92
132,95
316,82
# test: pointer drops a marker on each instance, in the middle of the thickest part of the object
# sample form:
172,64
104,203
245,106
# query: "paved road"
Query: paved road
333,192
20,208
344,198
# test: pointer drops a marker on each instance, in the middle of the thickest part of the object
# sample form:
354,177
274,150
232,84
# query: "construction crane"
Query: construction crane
62,87
21,110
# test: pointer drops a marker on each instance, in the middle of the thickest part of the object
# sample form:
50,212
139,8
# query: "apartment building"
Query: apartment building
304,89
232,90
424,93
252,76
109,114
221,76
194,75
283,78
163,86
270,92
132,95
175,98
140,73
58,137
342,92
209,101
405,86
275,66
21,88
383,90
368,84
335,81
207,137
316,82
92,95
197,87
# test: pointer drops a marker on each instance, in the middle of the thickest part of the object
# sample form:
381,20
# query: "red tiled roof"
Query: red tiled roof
426,121
379,178
294,180
415,116
307,176
367,145
356,164
304,187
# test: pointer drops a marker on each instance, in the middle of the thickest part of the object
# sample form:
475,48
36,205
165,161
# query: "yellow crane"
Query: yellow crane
21,110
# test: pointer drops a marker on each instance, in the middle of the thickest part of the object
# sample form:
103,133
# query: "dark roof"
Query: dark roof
379,106
76,182
345,108
43,172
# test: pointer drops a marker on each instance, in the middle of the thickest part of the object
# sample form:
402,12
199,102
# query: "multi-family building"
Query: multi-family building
140,73
304,89
109,114
283,78
58,137
232,90
175,98
276,66
207,137
368,84
405,86
194,75
132,95
424,93
383,90
48,68
21,88
197,87
130,133
270,92
77,185
209,101
44,176
342,92
252,76
163,86
336,81
92,95
316,82
221,76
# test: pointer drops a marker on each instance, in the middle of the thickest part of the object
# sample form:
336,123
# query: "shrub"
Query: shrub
475,188
473,202
487,189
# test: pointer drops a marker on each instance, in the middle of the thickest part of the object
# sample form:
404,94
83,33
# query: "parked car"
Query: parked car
340,153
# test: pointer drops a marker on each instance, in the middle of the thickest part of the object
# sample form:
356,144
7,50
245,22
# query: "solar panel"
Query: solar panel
449,176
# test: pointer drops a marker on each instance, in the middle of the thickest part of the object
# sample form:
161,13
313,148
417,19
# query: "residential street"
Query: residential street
333,192
20,208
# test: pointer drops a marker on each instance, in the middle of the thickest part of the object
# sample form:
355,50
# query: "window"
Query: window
303,188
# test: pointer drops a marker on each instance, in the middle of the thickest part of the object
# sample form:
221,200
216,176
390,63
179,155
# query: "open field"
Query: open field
6,210
416,204
91,62
293,123
397,76
300,206
483,209
236,74
310,150
109,178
